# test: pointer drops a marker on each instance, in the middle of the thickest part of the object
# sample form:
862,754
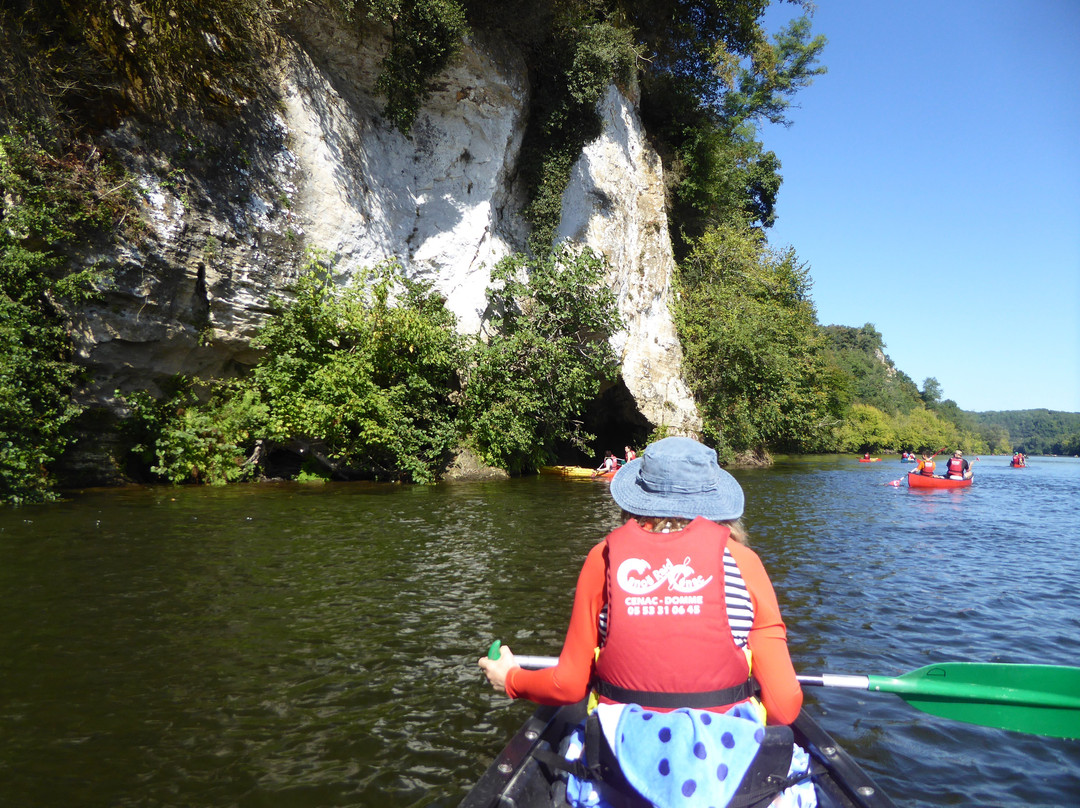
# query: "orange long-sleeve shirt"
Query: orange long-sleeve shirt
568,682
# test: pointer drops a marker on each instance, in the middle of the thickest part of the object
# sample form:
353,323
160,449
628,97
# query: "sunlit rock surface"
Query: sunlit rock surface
321,168
615,204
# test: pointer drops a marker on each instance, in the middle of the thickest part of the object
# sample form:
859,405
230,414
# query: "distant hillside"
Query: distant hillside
1035,431
871,377
886,410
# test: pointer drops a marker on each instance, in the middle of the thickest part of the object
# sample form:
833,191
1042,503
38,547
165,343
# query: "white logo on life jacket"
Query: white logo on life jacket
636,576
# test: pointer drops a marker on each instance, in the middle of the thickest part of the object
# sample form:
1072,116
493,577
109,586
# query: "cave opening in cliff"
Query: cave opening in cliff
613,417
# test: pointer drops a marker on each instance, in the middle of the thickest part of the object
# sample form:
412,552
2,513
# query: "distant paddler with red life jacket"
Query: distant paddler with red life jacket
611,463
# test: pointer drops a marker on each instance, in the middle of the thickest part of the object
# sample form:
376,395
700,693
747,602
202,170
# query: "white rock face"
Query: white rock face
327,171
615,204
440,202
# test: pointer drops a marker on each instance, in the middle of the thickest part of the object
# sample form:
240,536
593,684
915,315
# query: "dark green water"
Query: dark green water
286,645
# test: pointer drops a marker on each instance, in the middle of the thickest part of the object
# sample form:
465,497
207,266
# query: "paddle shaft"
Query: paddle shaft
901,687
525,661
536,662
943,689
1038,699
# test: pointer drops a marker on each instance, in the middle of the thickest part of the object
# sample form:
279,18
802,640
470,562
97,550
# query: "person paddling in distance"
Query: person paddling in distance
630,454
670,611
958,468
611,463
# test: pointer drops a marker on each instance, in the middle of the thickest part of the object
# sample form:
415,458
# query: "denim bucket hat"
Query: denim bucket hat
677,477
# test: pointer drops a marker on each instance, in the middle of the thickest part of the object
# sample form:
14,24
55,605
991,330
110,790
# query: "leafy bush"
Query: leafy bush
366,380
362,378
866,429
527,385
184,440
753,353
922,429
50,200
35,398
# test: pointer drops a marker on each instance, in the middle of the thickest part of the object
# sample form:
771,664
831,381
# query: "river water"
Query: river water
297,646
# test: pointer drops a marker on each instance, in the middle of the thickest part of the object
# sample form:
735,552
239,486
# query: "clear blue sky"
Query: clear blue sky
932,185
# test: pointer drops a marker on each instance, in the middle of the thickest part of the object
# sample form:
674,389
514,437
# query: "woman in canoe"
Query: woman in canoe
668,613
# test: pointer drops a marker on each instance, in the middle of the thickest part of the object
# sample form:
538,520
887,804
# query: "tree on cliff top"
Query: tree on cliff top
753,350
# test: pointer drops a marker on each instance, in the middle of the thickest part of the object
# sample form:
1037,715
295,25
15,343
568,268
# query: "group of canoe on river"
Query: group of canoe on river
957,471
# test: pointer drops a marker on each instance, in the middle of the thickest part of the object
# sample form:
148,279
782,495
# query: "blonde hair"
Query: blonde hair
671,524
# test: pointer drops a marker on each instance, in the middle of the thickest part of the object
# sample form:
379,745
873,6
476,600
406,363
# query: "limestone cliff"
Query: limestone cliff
615,204
323,169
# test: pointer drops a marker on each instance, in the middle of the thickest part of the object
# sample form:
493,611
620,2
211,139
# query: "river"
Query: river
303,646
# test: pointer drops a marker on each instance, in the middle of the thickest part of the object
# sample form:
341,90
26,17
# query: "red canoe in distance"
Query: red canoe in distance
916,480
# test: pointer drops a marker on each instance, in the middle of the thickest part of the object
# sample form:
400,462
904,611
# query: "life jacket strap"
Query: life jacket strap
700,700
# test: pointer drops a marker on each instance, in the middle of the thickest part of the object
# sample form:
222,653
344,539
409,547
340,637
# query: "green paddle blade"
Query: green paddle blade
1040,699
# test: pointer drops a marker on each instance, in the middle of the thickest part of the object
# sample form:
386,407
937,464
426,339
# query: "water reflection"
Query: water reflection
315,645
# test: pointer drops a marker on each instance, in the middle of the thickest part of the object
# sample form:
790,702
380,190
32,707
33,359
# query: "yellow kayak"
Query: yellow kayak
574,471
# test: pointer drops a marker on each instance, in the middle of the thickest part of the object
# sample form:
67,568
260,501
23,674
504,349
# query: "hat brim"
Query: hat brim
724,503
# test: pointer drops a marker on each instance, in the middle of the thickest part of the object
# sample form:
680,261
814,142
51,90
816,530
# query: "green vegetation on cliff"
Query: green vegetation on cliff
887,412
55,197
753,351
369,380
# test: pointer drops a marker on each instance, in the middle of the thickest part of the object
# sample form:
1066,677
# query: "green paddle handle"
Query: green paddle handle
494,650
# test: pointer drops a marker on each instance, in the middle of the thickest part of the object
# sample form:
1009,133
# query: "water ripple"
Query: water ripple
303,646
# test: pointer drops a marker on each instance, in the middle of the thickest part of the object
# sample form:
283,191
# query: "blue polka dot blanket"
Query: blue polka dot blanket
682,759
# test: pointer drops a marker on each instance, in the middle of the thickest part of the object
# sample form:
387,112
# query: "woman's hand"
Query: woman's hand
496,670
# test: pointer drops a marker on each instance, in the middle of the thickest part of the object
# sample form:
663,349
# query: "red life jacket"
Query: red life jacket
928,468
956,466
668,642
